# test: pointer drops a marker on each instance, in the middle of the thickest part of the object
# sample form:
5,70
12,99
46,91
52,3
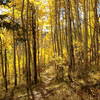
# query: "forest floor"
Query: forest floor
50,89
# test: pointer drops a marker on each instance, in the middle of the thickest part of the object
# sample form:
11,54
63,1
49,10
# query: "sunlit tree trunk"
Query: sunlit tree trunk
2,63
85,35
78,25
59,28
2,59
19,64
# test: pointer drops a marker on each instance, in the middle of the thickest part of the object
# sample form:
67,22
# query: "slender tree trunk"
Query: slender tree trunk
78,20
2,62
14,51
85,35
70,43
6,83
19,65
34,45
96,27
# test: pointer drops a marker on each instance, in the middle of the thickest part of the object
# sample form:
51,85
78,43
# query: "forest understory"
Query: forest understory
51,88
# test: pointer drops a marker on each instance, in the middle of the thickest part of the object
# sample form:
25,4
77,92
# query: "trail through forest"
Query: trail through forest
50,89
49,49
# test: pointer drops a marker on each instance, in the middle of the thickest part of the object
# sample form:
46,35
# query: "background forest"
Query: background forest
49,49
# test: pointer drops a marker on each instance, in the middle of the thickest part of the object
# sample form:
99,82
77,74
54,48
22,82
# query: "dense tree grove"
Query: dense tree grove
50,46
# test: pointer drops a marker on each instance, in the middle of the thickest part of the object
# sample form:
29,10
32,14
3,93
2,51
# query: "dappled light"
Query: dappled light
49,49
